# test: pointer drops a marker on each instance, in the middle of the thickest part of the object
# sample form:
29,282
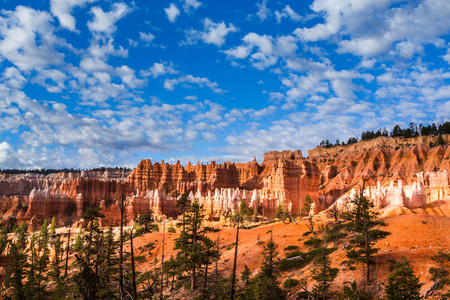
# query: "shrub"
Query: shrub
291,247
290,283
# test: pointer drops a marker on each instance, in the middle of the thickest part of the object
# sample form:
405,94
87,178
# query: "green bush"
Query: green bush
139,258
290,283
291,247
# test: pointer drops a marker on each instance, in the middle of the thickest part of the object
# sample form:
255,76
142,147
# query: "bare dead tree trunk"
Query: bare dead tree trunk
67,254
133,272
162,262
233,274
122,212
217,260
206,281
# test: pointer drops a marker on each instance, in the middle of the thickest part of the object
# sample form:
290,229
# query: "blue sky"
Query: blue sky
87,83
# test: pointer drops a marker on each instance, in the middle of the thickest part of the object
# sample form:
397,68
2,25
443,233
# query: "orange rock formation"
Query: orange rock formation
396,172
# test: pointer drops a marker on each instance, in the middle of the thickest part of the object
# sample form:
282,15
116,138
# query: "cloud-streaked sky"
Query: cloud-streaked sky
87,83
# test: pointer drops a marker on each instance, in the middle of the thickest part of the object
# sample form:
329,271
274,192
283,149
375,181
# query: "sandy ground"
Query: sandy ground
415,236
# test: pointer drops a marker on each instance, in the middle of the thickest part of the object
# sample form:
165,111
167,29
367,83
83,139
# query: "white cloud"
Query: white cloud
267,49
102,49
104,22
213,33
406,49
172,12
368,63
146,37
287,12
285,46
446,57
188,4
52,80
372,27
263,42
263,10
28,39
239,52
7,158
13,78
169,84
62,9
128,77
159,69
101,136
209,136
264,112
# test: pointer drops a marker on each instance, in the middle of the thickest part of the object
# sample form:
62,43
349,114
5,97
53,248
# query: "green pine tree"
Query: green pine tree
146,221
353,293
323,273
194,241
90,260
265,286
402,283
306,208
246,275
362,223
53,228
16,271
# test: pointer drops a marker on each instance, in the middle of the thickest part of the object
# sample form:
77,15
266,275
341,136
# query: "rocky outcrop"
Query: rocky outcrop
396,172
42,204
171,178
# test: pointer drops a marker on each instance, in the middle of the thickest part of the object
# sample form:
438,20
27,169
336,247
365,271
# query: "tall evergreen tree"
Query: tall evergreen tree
362,222
264,286
402,283
323,273
306,207
353,293
194,240
182,203
16,271
92,262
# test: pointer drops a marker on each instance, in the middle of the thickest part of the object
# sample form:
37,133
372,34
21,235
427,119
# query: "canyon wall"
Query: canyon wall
395,172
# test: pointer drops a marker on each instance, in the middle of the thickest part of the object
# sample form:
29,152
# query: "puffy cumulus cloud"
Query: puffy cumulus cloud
264,43
53,80
239,52
105,48
213,114
159,69
6,153
446,57
370,28
287,12
209,136
172,12
318,81
52,136
104,22
213,33
62,9
28,39
188,80
420,82
264,112
262,58
129,78
13,78
263,11
190,4
337,12
264,51
146,37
